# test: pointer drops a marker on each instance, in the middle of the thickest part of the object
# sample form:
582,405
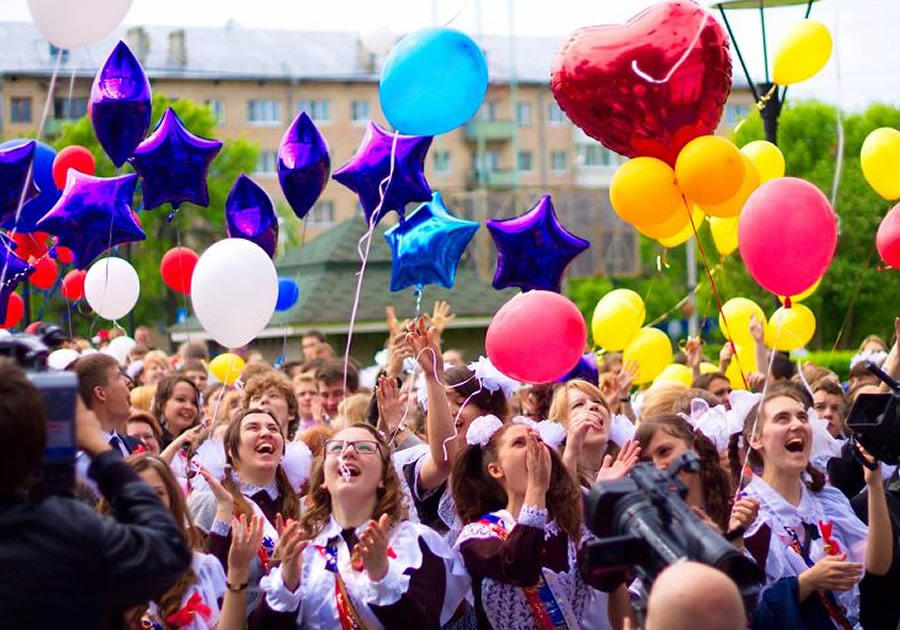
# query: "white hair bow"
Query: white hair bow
482,429
552,433
492,379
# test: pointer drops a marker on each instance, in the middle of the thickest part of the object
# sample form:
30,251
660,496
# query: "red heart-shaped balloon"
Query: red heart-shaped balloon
647,87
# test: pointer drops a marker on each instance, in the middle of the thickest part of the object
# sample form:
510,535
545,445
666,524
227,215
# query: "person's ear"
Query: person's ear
99,393
495,471
754,441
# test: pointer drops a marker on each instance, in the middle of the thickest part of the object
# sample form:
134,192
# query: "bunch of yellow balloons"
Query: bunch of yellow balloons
880,161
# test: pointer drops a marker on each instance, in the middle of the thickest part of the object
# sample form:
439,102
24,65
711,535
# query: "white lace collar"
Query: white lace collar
772,504
249,489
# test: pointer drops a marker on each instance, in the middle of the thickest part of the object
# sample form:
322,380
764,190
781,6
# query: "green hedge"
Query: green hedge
837,361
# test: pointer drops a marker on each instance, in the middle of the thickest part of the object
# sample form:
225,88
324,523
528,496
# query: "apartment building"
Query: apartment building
519,145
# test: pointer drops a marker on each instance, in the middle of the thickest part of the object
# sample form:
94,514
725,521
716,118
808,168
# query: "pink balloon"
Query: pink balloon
536,337
787,235
888,238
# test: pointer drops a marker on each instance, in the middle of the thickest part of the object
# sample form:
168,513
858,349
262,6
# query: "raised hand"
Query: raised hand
245,541
625,378
425,348
441,316
539,464
628,456
373,548
744,512
398,351
725,356
831,573
390,409
289,550
224,499
757,329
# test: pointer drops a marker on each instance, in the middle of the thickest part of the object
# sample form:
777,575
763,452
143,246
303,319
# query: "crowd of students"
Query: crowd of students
449,496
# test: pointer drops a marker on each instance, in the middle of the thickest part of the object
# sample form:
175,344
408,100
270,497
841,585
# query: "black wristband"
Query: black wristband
735,533
625,399
235,589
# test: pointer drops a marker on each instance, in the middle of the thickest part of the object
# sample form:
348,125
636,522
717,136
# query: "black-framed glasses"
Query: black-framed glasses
362,447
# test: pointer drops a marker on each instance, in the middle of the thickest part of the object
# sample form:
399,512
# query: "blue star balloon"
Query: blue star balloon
16,182
120,104
303,164
173,164
249,214
13,270
42,171
93,214
533,250
426,246
371,165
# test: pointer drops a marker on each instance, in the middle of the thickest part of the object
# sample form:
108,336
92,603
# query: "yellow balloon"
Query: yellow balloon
617,318
790,328
651,350
708,368
733,206
746,358
802,53
737,313
880,160
675,373
643,191
686,232
710,170
796,299
767,158
724,233
227,367
674,224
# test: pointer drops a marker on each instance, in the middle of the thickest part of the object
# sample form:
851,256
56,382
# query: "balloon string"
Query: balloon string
687,52
187,330
106,270
364,256
712,284
855,295
764,100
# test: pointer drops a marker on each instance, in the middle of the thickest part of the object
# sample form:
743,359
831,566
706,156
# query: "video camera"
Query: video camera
874,422
59,391
643,522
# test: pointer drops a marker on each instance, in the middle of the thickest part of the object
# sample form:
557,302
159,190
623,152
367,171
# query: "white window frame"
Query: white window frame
220,115
353,113
565,160
447,163
264,123
260,160
519,156
523,114
315,221
312,108
551,109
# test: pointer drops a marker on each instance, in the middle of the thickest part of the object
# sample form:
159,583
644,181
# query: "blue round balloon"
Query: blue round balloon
432,81
42,172
288,294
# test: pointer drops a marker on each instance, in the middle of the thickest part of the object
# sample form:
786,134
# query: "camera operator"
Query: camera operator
61,564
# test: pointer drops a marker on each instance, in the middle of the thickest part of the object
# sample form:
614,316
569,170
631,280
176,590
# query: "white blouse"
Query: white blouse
210,586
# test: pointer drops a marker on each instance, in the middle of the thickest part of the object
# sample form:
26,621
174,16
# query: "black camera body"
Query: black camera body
642,522
59,391
874,422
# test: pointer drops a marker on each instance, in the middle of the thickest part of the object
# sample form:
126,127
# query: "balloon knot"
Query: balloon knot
787,302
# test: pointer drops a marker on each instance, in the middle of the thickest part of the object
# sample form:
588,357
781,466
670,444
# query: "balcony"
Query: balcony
594,176
490,130
496,180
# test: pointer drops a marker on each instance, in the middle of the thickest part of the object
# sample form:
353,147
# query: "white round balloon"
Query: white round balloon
112,287
75,23
120,347
234,290
61,359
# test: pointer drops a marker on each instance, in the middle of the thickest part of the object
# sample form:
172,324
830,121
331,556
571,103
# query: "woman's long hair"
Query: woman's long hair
476,492
816,480
715,481
559,411
290,503
462,380
170,601
389,497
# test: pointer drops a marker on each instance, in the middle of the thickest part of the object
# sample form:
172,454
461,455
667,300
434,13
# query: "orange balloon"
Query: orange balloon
733,206
710,170
674,224
643,191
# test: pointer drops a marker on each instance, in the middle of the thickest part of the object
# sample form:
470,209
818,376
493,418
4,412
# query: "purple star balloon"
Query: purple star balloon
173,164
13,270
533,250
93,214
16,183
584,370
120,104
303,164
249,214
371,165
426,246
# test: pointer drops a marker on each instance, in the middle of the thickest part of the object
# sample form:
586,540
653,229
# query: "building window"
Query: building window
555,115
217,107
359,111
20,110
735,114
558,161
264,111
523,163
321,214
488,110
69,108
596,155
267,162
316,109
523,114
442,162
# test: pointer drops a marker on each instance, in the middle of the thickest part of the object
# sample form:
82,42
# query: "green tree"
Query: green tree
194,226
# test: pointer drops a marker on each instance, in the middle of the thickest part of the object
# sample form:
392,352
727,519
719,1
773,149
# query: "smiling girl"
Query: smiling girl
176,406
813,547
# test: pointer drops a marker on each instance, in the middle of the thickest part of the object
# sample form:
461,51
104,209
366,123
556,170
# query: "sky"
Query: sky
863,67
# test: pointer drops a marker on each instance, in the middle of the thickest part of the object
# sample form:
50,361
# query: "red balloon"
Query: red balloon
32,245
787,235
649,86
177,267
73,285
73,156
45,274
15,311
64,255
888,238
536,337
